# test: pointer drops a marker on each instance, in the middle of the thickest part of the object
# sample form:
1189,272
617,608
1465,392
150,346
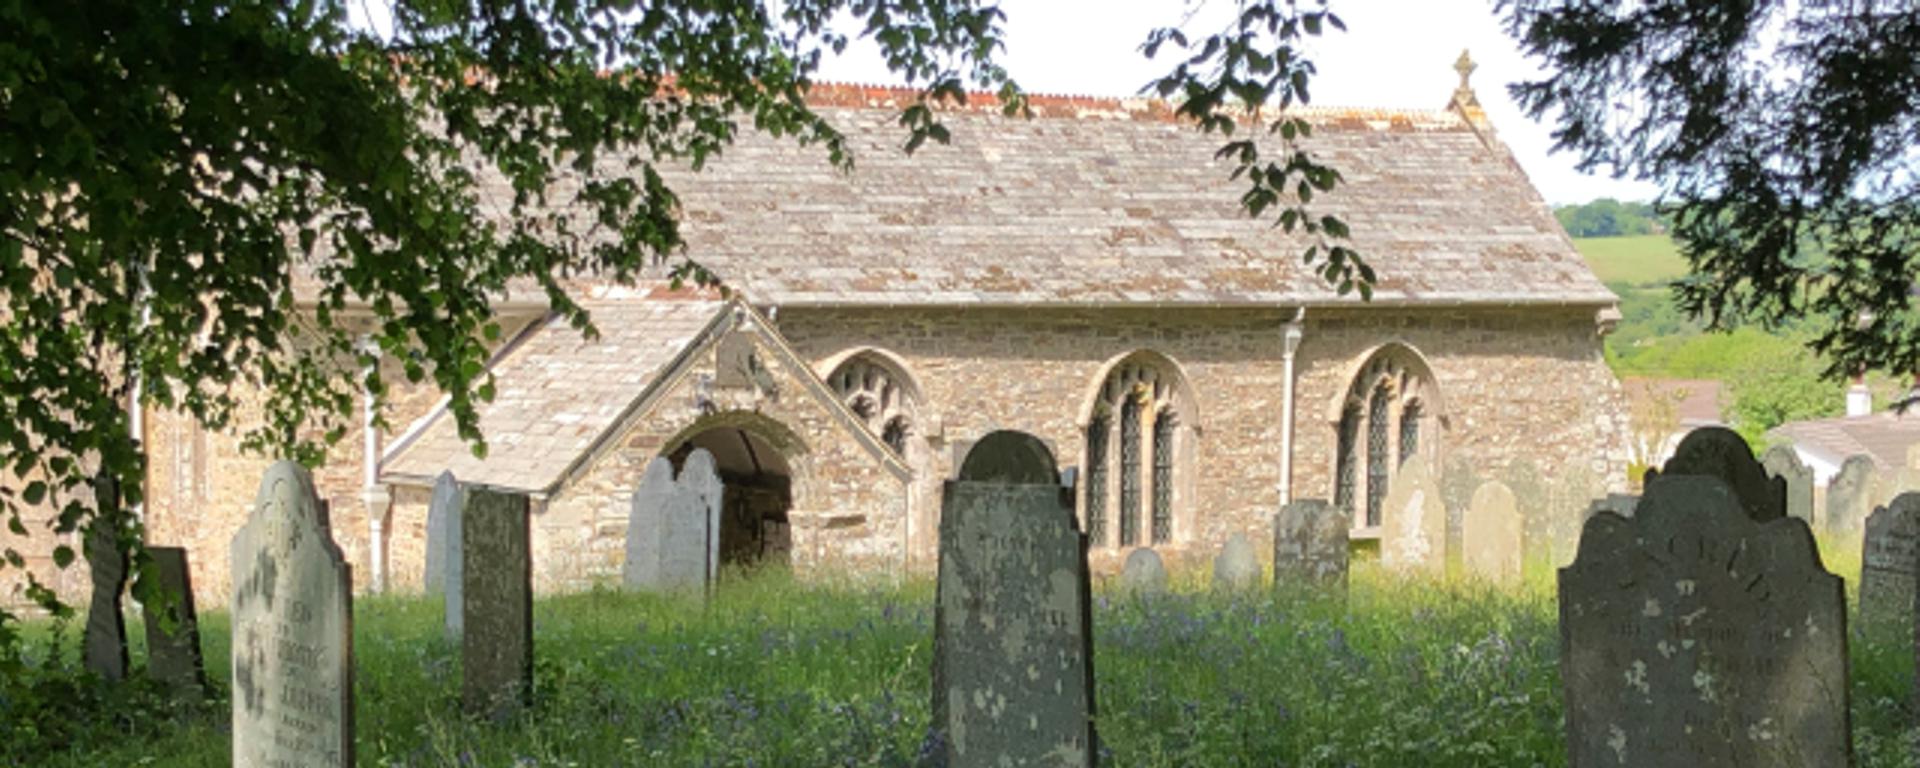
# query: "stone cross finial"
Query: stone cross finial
1465,66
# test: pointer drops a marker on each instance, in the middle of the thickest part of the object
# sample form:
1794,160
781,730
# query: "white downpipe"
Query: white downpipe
1294,332
371,494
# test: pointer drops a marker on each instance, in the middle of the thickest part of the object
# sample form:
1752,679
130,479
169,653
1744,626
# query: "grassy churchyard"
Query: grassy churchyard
774,672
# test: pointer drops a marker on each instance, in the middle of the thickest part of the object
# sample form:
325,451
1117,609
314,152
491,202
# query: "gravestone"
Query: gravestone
1459,478
1621,504
1850,497
1237,567
1534,502
1414,535
671,537
1723,453
1310,545
1886,561
1492,533
105,636
1144,575
173,628
1013,641
1572,491
1784,462
496,571
292,614
443,549
1693,635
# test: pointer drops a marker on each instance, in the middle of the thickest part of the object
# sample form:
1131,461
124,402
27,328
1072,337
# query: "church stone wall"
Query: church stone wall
1517,384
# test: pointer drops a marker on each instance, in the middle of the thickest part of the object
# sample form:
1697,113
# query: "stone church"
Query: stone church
1086,275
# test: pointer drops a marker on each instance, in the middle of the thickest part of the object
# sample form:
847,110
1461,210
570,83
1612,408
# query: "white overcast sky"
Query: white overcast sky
1394,54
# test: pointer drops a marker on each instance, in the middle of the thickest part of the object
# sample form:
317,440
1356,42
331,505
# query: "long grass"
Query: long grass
778,673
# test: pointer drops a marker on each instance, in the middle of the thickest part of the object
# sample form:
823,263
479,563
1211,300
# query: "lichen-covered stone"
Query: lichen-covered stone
1413,536
1013,642
1722,453
1237,567
292,631
1784,462
1694,636
1492,534
173,628
443,549
1144,575
1310,543
1850,497
1887,561
496,571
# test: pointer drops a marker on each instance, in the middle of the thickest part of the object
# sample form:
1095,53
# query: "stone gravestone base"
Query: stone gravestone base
1013,641
292,630
496,648
1694,637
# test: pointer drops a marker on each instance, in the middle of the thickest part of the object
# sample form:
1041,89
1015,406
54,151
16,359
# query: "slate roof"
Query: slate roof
1103,201
1884,436
557,394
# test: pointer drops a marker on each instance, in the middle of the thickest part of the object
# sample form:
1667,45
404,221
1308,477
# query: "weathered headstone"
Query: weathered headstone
1723,453
1886,561
443,549
1237,567
105,636
1850,497
671,535
1621,504
1414,535
496,571
1143,575
173,628
1784,462
292,630
1693,635
1013,641
1310,545
1460,476
1492,533
1571,492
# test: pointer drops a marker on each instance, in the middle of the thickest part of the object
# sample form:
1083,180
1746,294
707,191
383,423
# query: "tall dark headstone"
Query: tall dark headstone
1694,636
1310,546
443,549
1723,453
1887,561
496,571
1783,462
292,630
105,636
173,628
1013,641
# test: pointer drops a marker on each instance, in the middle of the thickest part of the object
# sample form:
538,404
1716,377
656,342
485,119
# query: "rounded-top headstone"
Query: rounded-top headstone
1492,533
1850,496
1237,567
1722,453
1144,574
1012,457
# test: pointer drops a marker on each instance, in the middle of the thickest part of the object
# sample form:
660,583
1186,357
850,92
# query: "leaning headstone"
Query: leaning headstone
443,549
1414,535
292,619
105,636
1492,534
173,629
496,568
1310,545
668,539
1886,561
1237,567
1784,462
1013,641
1693,635
1850,497
1723,453
1143,575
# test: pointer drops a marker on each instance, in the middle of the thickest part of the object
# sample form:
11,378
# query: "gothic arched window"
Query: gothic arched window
1134,442
877,394
1384,419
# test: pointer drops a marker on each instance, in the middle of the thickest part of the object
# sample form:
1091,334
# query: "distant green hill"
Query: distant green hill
1642,260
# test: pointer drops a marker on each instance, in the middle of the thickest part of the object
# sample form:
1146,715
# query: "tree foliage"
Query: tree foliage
216,199
1607,217
1784,136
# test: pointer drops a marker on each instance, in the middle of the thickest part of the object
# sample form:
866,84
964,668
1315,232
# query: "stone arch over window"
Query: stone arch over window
1138,437
1390,412
878,390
